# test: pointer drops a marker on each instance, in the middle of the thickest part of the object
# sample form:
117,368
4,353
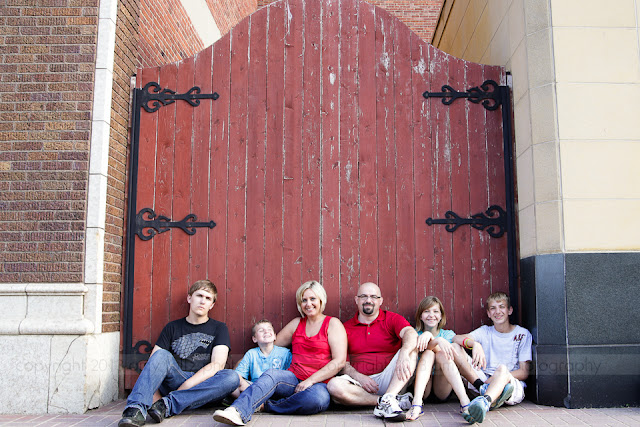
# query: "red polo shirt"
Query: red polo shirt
372,346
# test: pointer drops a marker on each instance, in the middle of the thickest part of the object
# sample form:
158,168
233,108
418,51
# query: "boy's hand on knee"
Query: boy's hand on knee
478,357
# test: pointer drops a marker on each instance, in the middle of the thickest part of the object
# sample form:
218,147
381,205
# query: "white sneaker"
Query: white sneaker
229,416
389,409
405,401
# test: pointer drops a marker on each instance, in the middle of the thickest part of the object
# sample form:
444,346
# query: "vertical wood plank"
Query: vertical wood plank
311,210
478,195
292,206
422,160
386,154
181,197
330,152
274,158
367,150
218,179
200,140
461,304
198,263
236,291
442,180
162,205
404,183
349,143
257,98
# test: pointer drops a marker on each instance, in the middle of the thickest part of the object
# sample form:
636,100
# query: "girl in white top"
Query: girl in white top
436,347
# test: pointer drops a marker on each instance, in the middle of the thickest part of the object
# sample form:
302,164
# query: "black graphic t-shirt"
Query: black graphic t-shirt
191,345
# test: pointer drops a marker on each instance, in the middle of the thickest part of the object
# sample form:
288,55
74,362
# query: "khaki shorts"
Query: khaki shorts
383,379
518,387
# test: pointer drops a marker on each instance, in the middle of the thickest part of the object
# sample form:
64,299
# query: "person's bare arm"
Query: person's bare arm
522,373
409,336
369,385
478,358
284,337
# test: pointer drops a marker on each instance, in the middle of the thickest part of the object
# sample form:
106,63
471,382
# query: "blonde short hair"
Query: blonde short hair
317,289
498,296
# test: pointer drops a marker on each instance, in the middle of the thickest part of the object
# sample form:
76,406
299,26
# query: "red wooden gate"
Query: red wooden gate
319,159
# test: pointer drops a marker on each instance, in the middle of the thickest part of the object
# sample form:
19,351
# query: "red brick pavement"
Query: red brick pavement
525,414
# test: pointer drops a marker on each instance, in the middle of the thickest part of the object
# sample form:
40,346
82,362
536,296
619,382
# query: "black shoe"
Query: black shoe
227,401
157,411
131,417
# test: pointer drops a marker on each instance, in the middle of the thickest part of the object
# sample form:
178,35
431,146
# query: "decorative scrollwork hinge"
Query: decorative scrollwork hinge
494,225
161,97
135,356
161,224
488,93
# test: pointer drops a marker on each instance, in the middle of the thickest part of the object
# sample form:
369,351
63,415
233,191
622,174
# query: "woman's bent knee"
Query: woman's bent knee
321,399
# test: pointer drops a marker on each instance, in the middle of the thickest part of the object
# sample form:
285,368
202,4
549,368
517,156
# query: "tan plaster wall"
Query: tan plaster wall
576,73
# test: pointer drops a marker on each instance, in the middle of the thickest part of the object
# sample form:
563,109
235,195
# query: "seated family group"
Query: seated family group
370,360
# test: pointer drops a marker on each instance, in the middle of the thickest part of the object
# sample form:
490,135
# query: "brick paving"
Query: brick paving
525,414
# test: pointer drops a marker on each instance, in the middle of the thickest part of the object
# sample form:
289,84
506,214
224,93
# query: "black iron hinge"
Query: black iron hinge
494,225
159,97
154,226
489,94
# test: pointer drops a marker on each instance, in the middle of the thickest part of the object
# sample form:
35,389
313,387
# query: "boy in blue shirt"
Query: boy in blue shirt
266,356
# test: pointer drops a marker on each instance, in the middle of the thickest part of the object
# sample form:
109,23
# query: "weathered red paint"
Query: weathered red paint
320,160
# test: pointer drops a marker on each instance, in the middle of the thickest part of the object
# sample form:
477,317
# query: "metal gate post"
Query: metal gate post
127,307
512,247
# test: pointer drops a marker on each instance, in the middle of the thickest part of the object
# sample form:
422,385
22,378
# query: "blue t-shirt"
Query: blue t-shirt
254,362
444,333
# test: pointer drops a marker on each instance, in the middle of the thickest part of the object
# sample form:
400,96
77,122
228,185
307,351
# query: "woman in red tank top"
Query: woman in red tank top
319,348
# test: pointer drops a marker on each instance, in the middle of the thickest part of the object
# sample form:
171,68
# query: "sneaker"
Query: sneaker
389,409
227,401
405,400
483,389
507,391
132,417
464,411
158,411
229,416
478,408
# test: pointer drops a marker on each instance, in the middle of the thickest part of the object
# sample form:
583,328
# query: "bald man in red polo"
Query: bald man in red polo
381,358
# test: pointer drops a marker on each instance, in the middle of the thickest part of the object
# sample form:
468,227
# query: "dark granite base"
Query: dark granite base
582,310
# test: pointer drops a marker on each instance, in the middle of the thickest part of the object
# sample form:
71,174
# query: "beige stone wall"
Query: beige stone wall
597,66
575,66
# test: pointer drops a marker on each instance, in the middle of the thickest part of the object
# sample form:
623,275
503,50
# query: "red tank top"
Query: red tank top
310,354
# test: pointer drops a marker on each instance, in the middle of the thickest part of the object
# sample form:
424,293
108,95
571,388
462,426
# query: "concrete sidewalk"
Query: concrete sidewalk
446,414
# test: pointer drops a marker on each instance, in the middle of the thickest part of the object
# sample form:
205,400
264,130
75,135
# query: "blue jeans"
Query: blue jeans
163,373
281,384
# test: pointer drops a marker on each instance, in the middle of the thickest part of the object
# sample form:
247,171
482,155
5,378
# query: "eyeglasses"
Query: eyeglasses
366,297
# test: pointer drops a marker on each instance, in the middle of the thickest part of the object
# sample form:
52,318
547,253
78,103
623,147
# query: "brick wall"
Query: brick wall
125,64
166,33
47,60
227,13
419,15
